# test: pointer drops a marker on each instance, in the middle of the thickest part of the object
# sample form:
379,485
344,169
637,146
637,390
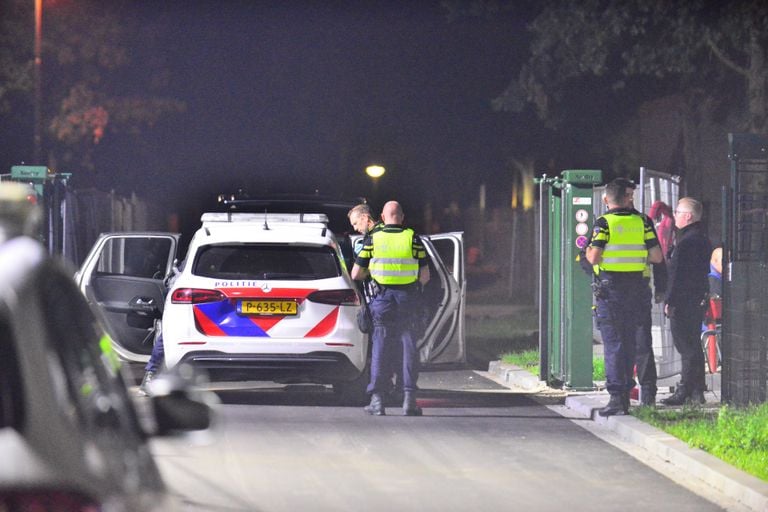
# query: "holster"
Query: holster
598,287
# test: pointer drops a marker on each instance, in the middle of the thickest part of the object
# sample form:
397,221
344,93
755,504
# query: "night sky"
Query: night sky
300,96
304,96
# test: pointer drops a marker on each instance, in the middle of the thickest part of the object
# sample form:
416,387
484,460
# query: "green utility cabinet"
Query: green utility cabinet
565,306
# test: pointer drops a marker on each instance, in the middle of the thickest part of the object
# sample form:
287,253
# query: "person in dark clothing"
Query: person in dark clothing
156,360
154,364
687,291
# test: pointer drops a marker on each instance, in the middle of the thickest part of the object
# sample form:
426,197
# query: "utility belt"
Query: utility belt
410,287
612,274
601,282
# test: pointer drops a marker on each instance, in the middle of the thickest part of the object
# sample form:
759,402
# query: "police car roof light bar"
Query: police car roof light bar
274,218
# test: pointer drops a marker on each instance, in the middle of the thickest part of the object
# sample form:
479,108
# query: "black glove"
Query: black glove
584,263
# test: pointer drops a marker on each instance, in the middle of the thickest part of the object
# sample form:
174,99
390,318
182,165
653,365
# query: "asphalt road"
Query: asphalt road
479,446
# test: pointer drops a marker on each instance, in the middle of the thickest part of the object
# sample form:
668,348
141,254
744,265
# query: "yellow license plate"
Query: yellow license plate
267,307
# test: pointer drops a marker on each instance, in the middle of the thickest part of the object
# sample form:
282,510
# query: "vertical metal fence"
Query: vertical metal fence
658,186
90,212
745,273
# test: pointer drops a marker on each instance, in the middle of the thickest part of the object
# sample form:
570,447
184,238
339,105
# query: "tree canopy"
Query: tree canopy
85,53
716,47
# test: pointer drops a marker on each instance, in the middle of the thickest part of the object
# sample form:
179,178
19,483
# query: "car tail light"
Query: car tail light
47,501
336,297
196,296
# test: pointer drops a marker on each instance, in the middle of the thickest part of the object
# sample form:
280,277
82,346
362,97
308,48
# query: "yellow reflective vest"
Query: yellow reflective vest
393,261
625,250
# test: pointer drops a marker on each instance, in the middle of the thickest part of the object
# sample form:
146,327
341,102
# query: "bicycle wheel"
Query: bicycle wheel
711,350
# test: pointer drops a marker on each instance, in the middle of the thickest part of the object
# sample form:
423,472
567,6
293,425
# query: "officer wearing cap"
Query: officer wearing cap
623,243
397,261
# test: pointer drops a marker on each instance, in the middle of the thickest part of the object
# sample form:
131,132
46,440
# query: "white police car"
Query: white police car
260,296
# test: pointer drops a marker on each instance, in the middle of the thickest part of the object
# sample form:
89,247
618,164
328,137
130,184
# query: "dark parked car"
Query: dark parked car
71,438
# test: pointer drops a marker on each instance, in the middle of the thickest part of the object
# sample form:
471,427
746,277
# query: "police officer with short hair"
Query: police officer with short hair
362,221
396,260
623,243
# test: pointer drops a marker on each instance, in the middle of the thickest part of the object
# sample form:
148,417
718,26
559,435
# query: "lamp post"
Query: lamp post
38,100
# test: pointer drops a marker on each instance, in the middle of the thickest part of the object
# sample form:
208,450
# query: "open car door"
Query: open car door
442,341
444,297
123,277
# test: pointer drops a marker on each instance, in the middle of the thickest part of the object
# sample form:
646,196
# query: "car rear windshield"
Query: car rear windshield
263,261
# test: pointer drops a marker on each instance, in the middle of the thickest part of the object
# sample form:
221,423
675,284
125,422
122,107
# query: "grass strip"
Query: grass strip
738,436
529,360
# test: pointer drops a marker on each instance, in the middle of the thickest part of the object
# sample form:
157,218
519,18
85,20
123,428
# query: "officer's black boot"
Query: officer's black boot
409,405
617,405
394,396
376,407
144,387
679,397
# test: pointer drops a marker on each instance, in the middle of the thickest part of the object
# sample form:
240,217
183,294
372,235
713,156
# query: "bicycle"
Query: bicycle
710,337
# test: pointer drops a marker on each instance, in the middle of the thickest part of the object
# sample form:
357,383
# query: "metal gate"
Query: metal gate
745,273
658,186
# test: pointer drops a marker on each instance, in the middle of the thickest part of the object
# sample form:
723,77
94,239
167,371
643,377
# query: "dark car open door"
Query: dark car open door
443,341
123,277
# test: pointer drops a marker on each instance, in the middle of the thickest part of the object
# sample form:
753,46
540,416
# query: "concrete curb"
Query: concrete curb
732,482
516,377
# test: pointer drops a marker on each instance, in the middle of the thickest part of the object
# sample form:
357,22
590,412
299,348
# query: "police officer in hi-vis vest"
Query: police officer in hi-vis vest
623,243
395,258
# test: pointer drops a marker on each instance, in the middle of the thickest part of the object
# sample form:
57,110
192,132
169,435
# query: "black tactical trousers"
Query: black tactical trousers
686,335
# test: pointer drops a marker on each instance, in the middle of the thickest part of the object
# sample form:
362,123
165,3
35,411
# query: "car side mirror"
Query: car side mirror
180,403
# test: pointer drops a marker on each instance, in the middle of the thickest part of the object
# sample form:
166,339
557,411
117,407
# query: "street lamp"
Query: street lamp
38,100
375,171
